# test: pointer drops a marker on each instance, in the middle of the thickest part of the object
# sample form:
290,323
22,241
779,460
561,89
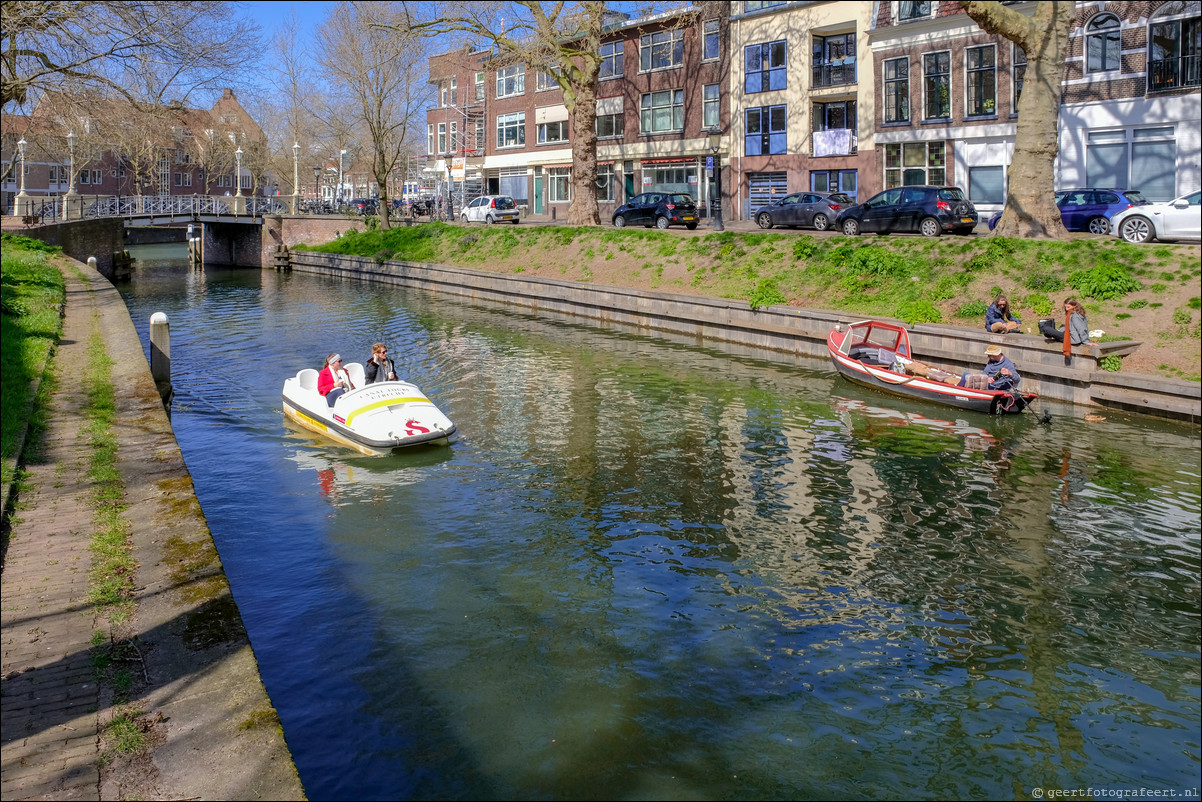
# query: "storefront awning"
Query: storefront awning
674,160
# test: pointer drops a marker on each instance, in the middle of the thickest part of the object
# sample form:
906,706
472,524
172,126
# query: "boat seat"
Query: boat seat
355,371
307,379
873,355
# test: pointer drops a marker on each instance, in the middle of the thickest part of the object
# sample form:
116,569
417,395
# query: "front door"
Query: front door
538,194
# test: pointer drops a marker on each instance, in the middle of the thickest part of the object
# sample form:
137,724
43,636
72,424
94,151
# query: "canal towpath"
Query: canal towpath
194,688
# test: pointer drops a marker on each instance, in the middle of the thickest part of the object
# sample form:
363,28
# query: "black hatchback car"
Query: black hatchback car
930,211
659,209
812,209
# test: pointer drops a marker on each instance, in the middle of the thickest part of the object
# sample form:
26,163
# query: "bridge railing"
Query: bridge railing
39,208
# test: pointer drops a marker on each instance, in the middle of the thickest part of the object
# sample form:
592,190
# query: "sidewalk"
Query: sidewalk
211,729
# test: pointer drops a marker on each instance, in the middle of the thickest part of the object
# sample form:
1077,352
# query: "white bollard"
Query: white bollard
92,262
160,349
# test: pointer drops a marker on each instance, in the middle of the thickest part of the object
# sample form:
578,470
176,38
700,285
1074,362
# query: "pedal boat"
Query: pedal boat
866,352
374,419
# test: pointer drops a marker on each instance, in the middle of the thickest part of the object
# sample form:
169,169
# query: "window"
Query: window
552,132
845,181
897,90
455,91
835,116
179,179
442,95
1174,50
1018,71
511,130
480,135
610,126
612,60
907,11
605,183
1151,155
559,186
430,148
757,5
442,138
835,60
479,87
84,177
981,76
710,40
511,80
662,111
915,164
987,184
661,51
765,67
709,106
1102,43
937,85
544,81
766,131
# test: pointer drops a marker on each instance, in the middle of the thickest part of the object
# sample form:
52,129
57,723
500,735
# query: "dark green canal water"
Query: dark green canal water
658,570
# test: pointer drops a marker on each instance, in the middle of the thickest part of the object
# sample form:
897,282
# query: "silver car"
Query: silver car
1177,219
815,210
489,209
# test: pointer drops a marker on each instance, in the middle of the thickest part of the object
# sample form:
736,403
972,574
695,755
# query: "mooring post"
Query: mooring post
92,262
160,354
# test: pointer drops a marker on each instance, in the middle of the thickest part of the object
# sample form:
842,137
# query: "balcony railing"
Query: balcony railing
834,74
1174,73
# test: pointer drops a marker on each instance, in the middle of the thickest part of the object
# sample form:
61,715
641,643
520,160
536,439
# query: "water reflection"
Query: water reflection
650,569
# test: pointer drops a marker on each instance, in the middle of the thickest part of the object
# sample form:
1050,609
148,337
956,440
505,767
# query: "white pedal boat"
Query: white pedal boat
374,418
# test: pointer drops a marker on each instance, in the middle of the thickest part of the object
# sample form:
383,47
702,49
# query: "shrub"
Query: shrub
1139,303
994,292
1158,288
804,247
971,309
766,294
1111,362
1195,303
1182,317
1038,303
920,311
382,256
1043,281
949,286
1122,316
1104,282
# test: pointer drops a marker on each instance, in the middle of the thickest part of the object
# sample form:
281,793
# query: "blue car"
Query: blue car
1090,209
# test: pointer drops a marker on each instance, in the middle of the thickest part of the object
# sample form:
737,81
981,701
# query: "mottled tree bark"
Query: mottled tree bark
1030,201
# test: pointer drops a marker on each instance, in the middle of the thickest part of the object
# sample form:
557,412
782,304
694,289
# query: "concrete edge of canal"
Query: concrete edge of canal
211,727
1078,379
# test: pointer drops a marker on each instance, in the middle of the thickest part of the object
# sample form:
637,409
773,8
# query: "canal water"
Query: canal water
653,569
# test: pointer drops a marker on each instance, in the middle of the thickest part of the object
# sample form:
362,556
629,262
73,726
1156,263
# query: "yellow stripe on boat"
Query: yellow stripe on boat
387,403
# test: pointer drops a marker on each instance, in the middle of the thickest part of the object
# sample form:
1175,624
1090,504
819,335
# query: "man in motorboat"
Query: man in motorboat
999,372
333,381
379,368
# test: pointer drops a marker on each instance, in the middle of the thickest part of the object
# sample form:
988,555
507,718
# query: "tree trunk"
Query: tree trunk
583,210
1031,210
385,202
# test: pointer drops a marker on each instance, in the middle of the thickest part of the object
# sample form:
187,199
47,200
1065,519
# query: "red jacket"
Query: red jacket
325,380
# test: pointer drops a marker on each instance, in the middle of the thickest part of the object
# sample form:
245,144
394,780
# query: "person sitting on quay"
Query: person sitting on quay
999,373
998,317
379,368
333,381
1075,323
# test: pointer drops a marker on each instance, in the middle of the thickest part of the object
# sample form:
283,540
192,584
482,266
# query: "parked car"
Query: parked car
1089,209
659,209
489,209
364,205
928,210
1180,218
811,209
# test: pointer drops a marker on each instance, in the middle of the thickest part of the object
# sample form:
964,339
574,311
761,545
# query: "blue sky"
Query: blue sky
272,14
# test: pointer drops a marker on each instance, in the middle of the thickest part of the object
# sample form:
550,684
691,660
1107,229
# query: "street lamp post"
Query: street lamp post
70,176
238,172
341,159
715,146
316,189
296,178
22,198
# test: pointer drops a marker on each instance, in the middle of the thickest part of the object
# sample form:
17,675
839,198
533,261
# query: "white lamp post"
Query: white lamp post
22,198
341,159
70,176
238,174
715,137
296,178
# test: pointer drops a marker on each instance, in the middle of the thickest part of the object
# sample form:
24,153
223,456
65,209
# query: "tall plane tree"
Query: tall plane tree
376,66
1030,204
563,40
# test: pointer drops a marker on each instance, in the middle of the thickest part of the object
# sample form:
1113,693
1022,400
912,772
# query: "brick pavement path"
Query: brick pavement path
49,697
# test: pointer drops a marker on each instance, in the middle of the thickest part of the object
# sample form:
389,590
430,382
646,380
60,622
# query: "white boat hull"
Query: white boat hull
375,419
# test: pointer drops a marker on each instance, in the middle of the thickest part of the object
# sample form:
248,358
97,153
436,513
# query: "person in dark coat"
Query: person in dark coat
379,368
999,373
999,319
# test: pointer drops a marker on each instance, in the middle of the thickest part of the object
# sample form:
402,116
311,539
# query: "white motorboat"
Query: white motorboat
374,418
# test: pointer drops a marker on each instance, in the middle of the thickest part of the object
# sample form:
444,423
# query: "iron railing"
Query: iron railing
1174,73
